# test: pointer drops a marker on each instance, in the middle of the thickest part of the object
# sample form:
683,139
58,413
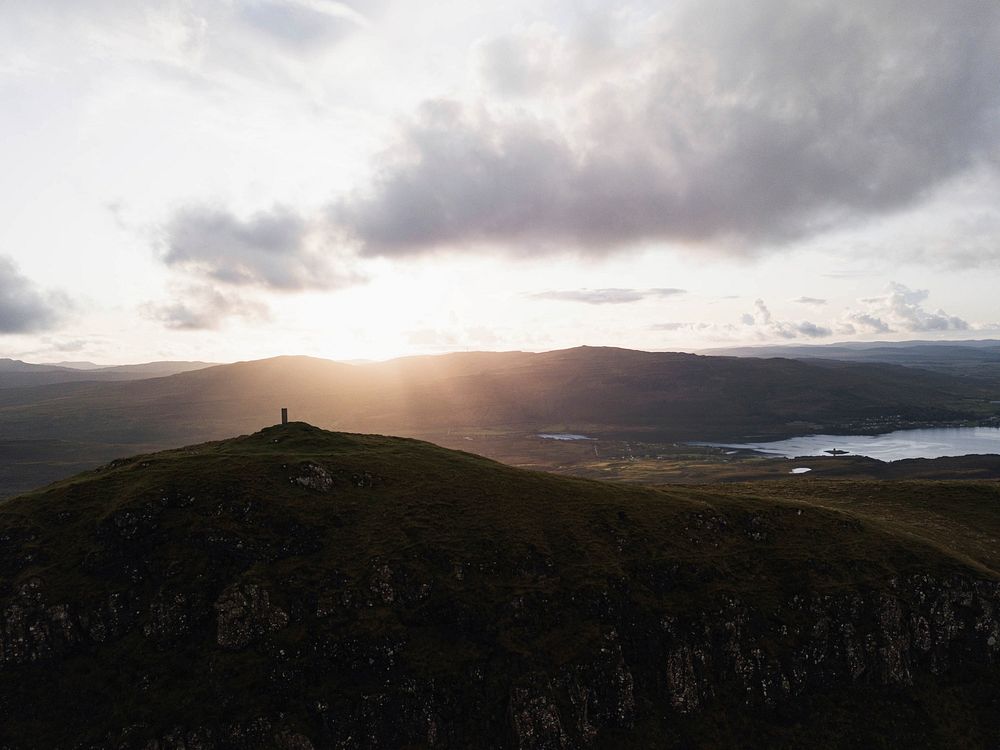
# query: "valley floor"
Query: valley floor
643,462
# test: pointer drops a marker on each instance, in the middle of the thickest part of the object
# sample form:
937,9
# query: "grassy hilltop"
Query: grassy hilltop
299,588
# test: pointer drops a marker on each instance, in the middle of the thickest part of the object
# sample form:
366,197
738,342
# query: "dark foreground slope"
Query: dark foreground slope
298,588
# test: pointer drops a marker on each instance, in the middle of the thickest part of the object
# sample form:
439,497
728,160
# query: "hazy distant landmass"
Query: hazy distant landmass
17,374
75,365
670,395
607,392
977,357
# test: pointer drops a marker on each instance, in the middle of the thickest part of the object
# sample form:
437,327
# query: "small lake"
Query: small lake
562,436
928,443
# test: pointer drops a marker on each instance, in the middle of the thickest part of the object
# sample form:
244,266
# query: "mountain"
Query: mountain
16,365
156,369
76,365
300,589
866,345
594,391
674,396
17,374
980,357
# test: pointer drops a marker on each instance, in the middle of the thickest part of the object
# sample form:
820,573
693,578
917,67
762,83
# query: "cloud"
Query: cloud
809,301
73,345
864,323
276,249
810,330
606,296
901,309
767,327
298,23
217,47
437,339
203,308
23,308
724,123
761,323
958,230
516,64
679,326
540,60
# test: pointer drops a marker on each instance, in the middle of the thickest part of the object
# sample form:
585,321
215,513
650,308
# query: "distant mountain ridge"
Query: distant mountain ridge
604,391
17,365
975,357
858,345
15,373
674,395
75,365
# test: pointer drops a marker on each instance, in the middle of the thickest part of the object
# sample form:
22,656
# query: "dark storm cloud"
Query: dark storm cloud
23,308
272,249
605,296
203,308
740,123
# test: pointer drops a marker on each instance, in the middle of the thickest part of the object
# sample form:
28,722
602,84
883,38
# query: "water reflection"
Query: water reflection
893,446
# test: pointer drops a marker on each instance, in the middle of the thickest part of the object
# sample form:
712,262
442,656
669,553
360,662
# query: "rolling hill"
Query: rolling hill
606,391
679,396
298,589
17,374
978,358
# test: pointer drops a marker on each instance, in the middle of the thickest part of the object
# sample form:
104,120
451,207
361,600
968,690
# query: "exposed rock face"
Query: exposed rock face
681,666
259,734
601,691
321,479
684,684
314,477
814,642
535,721
169,619
33,630
245,614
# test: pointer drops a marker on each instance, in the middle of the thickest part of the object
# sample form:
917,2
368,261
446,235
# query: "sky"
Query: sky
234,179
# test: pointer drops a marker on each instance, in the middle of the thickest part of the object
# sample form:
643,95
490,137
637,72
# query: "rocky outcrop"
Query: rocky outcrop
535,721
314,477
809,643
318,478
170,619
245,614
681,665
259,734
31,629
596,695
